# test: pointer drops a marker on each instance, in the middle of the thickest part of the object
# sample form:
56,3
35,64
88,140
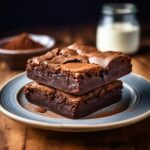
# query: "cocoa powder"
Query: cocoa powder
22,42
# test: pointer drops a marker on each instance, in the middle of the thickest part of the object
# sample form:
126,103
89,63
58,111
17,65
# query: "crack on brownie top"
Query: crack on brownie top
48,56
68,52
76,58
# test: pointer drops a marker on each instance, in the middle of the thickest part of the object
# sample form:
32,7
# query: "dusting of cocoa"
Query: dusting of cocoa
22,42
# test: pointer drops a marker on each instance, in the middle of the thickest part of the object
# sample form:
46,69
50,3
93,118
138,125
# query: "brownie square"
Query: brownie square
78,69
70,105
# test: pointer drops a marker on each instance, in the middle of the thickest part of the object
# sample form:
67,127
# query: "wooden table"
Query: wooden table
16,136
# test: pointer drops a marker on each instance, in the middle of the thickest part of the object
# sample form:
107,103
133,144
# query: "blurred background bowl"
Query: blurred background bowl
16,59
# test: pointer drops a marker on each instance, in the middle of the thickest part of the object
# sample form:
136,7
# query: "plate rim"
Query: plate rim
65,126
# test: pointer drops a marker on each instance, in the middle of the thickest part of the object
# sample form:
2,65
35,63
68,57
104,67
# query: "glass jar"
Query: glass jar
118,29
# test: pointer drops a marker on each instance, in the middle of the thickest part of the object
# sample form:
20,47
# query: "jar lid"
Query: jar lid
119,8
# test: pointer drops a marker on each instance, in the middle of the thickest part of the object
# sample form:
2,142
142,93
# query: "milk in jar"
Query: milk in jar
118,30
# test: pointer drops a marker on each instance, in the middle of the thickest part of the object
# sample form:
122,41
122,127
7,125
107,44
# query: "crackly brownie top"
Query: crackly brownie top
71,98
78,58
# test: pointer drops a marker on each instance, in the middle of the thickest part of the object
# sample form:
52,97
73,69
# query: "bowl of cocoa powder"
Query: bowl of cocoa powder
16,50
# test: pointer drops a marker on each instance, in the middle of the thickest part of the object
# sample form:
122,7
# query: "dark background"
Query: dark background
15,14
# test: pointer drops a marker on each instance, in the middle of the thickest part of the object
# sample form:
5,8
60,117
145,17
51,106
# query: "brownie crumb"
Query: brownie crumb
40,109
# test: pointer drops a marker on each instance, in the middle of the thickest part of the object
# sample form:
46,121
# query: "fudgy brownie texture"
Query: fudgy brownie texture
70,105
78,69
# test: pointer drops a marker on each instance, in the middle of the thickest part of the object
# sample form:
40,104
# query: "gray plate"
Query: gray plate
133,107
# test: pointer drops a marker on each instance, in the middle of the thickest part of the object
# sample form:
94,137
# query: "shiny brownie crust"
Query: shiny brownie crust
78,69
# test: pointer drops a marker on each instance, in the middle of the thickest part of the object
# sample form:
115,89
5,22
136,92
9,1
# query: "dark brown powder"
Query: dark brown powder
22,42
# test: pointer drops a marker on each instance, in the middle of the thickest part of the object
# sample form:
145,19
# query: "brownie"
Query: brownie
70,105
78,69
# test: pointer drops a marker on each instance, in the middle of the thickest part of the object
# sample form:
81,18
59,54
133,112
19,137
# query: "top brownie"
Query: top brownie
78,69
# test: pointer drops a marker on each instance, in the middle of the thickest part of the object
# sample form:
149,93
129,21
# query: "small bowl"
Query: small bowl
16,59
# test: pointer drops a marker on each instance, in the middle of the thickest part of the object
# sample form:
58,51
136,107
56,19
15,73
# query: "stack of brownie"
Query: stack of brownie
77,80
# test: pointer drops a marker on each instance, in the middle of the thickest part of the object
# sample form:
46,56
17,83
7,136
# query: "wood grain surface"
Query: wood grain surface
16,136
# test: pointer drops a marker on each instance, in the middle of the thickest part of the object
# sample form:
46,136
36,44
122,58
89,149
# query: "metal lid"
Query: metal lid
119,8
